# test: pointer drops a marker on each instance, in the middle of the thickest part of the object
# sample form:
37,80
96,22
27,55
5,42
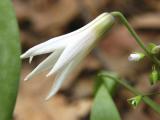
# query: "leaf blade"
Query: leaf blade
103,106
10,61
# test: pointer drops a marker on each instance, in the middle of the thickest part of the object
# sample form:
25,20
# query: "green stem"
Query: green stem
146,99
150,94
134,34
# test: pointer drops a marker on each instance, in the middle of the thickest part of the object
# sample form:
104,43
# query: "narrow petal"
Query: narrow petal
65,73
30,59
57,42
58,81
72,51
46,64
44,48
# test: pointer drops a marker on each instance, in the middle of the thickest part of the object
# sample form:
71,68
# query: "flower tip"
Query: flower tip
135,101
27,78
130,58
22,56
50,73
30,59
48,97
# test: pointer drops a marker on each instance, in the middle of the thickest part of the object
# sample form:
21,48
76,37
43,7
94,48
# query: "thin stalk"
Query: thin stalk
134,34
150,94
146,99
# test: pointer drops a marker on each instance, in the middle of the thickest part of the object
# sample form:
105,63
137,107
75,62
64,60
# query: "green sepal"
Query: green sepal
135,101
150,47
154,76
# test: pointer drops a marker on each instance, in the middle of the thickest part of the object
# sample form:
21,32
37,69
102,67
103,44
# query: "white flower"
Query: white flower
68,50
136,56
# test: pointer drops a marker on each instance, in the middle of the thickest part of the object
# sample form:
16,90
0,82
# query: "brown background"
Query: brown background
40,20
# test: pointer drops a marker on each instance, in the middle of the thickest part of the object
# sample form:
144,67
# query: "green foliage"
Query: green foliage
146,99
10,61
110,84
103,106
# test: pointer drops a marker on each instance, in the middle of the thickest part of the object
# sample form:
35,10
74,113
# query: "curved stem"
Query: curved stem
146,99
134,34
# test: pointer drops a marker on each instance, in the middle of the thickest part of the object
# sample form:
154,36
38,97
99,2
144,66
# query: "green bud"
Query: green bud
156,50
136,56
135,101
154,76
150,46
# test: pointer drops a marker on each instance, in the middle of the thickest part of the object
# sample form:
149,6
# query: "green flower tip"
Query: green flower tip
150,46
154,76
156,50
135,101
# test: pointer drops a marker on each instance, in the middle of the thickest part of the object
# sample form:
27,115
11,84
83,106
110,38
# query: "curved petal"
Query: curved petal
65,72
46,64
44,49
72,51
57,42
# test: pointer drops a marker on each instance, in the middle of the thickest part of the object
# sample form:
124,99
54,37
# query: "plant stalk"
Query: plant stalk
134,34
146,99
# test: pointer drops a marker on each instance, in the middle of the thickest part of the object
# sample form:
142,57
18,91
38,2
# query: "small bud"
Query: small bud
150,46
136,56
154,76
156,50
135,101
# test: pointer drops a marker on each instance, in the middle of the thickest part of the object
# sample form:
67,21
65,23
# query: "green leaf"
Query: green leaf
111,85
97,83
155,106
9,61
103,106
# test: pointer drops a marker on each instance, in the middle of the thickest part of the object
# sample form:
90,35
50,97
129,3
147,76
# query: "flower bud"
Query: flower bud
150,46
156,50
154,76
136,56
135,101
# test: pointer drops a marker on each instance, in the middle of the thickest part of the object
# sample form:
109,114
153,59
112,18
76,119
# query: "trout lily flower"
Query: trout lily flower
68,50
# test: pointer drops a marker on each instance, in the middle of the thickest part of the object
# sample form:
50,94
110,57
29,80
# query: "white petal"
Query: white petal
57,42
74,33
65,73
46,64
30,59
42,48
72,51
58,81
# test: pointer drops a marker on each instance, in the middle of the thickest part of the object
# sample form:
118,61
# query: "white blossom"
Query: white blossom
68,50
135,56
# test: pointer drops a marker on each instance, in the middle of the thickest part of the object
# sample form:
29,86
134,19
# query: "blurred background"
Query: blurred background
40,20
